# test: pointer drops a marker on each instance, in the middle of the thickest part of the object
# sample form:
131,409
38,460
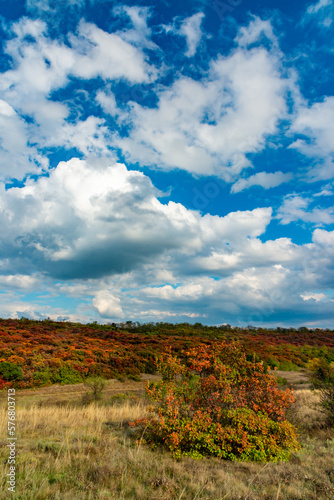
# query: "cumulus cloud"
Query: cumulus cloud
323,237
263,179
30,119
313,296
256,29
107,305
84,220
316,123
207,127
89,219
190,29
16,157
296,208
100,230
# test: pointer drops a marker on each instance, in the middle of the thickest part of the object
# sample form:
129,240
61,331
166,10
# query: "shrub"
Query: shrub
321,372
323,379
134,377
96,386
42,377
215,402
10,371
66,375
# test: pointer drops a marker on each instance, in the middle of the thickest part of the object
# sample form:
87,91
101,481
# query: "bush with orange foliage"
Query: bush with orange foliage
215,402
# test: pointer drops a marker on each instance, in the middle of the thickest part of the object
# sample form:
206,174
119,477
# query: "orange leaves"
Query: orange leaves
38,345
215,402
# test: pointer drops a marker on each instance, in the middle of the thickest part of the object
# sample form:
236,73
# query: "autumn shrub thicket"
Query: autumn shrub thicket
213,401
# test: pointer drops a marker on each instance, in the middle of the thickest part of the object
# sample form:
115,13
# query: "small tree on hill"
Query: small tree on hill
215,402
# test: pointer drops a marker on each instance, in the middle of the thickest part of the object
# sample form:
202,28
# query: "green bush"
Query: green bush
42,377
95,385
10,371
287,366
134,377
66,375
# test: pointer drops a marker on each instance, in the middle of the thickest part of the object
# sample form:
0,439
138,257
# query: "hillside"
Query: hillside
38,353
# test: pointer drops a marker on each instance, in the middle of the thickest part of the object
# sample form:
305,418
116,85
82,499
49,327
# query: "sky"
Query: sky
167,161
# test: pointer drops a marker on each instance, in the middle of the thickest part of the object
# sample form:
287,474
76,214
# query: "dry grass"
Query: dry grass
305,412
73,452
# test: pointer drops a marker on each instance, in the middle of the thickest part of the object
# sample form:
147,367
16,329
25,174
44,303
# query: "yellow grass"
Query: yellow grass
306,413
79,452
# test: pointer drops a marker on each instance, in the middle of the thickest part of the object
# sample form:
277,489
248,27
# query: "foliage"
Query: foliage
327,401
10,371
42,377
95,385
66,375
44,348
321,372
215,402
323,379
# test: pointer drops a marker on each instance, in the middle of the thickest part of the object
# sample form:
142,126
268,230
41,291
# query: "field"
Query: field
69,451
69,447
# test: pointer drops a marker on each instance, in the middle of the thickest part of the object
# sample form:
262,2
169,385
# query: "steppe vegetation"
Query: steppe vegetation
67,450
75,441
39,353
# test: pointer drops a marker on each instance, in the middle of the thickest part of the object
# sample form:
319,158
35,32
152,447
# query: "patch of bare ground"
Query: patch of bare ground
297,380
74,452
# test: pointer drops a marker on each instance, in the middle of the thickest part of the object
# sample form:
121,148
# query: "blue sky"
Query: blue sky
167,162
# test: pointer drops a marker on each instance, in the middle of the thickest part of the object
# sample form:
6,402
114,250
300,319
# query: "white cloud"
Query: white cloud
93,218
30,119
107,55
107,305
108,102
322,13
316,122
323,237
140,35
101,231
315,7
191,29
254,31
263,179
207,127
16,157
19,281
296,208
313,296
52,8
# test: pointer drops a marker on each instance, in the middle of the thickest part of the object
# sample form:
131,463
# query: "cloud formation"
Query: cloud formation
208,127
97,110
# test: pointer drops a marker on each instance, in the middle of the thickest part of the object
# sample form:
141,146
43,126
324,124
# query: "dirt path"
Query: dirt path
297,380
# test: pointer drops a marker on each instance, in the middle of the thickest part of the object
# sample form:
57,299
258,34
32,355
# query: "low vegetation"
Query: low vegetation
214,402
223,395
67,450
43,353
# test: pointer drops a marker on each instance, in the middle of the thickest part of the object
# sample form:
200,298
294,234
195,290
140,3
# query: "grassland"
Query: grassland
69,451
